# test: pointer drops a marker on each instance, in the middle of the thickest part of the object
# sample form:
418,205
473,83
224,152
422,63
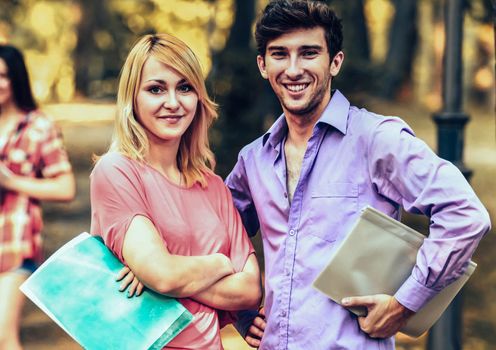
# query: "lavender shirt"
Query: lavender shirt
354,158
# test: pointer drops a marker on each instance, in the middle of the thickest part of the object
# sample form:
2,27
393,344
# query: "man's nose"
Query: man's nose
294,69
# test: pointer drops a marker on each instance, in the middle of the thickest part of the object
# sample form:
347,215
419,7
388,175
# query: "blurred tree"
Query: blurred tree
11,11
108,29
358,66
482,10
44,31
403,36
99,33
360,73
247,103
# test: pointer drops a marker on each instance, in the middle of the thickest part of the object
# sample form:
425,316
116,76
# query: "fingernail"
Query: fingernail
345,301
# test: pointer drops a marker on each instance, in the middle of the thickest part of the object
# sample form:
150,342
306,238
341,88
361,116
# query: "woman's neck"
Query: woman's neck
163,157
9,111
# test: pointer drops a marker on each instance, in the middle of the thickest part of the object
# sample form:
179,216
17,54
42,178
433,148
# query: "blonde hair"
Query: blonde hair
194,157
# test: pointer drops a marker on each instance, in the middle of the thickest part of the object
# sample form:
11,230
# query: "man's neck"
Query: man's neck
300,127
299,131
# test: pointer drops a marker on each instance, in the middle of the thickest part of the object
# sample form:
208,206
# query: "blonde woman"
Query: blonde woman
156,201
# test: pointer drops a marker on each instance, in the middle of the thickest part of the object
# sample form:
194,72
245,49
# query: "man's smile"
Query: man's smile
296,87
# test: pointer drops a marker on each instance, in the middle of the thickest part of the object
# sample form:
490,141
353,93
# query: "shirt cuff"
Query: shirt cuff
414,295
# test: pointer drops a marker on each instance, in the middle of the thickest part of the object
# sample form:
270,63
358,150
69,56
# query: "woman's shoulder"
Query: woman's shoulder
213,180
215,184
112,161
39,121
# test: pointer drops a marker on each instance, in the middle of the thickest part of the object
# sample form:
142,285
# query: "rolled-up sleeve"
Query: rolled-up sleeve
117,196
405,170
237,183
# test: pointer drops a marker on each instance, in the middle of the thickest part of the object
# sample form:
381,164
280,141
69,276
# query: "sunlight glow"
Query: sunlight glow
378,14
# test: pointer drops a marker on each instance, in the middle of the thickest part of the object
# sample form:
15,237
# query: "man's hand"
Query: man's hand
385,315
256,330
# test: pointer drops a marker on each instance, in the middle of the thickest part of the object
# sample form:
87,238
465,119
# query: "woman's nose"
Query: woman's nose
171,101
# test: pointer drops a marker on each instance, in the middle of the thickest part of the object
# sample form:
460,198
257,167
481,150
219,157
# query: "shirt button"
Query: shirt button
285,195
292,232
283,313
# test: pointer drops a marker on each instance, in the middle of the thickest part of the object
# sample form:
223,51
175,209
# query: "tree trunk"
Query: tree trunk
402,45
97,63
244,98
357,66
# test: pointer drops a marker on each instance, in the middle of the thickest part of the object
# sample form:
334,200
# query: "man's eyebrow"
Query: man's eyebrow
303,47
276,48
312,47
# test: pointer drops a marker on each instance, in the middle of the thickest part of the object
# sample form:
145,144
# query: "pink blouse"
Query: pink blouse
192,221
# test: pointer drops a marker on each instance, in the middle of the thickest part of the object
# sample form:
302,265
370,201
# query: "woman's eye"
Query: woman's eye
155,89
185,88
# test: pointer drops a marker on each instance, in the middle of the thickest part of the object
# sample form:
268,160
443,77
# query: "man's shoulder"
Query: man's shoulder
253,148
364,121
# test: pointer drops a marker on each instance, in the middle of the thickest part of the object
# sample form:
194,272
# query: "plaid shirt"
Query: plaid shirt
33,149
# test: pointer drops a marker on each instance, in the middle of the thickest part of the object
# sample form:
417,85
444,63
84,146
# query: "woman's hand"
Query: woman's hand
128,279
6,176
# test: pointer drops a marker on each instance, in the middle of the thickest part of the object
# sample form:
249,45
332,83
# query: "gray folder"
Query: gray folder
376,257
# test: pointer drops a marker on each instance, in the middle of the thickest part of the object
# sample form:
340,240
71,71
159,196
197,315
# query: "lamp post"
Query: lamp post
446,334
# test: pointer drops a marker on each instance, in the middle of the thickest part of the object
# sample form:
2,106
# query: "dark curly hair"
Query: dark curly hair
282,16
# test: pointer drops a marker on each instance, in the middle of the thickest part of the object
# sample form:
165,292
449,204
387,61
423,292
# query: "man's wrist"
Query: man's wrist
405,312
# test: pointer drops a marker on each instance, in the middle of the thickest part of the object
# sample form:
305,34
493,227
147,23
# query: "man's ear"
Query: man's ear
336,63
261,66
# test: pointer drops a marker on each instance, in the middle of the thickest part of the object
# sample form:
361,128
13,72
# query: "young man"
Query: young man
304,182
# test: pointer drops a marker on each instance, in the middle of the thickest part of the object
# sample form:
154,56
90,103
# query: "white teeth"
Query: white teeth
296,88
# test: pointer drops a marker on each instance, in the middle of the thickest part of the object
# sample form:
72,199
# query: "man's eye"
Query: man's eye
185,88
310,53
278,54
155,89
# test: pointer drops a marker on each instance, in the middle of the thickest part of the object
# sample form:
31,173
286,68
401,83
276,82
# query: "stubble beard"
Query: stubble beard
308,111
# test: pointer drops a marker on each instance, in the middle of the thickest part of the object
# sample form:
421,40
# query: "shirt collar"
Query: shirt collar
335,114
276,132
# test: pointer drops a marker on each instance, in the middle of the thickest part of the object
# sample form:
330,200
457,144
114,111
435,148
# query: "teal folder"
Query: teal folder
76,287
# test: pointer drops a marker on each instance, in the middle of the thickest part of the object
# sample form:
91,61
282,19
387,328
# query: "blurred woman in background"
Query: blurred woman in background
156,201
34,167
